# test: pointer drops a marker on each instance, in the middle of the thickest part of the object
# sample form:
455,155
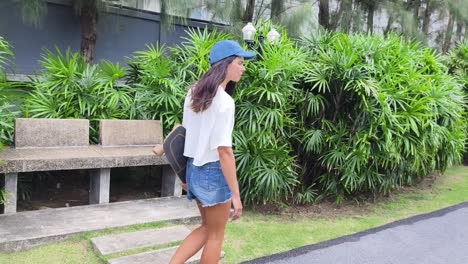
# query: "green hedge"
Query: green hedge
331,115
8,96
6,114
390,113
457,62
67,87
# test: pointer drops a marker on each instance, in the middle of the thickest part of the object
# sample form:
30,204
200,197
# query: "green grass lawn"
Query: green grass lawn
256,235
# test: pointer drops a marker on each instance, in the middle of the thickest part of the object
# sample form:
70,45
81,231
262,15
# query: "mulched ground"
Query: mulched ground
330,209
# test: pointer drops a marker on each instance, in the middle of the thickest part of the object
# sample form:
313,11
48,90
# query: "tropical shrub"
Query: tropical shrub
265,112
457,62
161,76
267,122
158,92
67,87
191,56
6,114
336,116
8,94
381,113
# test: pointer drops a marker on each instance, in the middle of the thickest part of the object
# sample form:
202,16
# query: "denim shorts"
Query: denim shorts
207,184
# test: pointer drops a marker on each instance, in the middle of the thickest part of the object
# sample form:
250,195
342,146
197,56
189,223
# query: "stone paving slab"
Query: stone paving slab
161,256
121,242
26,229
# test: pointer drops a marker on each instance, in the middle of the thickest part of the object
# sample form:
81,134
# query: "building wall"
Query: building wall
120,32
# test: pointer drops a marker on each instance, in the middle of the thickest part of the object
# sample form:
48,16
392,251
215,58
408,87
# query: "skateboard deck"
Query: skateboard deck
174,149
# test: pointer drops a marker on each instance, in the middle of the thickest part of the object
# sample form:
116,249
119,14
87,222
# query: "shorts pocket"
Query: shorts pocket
214,178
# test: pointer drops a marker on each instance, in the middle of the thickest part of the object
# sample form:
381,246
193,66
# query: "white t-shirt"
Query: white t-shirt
209,129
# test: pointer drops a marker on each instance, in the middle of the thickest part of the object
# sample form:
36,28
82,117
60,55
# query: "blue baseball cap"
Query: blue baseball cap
227,48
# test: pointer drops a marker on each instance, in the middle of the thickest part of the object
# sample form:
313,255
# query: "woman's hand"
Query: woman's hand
228,166
237,204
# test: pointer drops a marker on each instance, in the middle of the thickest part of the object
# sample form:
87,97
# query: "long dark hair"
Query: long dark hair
205,89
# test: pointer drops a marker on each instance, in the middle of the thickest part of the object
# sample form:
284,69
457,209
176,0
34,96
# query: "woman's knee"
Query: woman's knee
215,233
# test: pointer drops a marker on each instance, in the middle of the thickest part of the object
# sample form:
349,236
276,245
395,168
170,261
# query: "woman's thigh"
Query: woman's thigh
202,212
216,218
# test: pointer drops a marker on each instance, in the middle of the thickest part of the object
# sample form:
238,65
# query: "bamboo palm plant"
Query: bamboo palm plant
191,56
158,92
67,87
386,114
267,122
336,116
8,94
7,115
160,76
265,111
457,62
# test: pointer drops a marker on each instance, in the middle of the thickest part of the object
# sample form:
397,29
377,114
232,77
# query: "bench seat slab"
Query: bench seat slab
92,157
97,158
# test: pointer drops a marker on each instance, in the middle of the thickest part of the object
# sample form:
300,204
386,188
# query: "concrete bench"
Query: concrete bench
63,144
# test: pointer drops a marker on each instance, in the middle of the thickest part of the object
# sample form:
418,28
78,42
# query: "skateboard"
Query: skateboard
173,147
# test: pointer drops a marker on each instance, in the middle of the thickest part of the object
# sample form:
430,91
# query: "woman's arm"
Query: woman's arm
228,166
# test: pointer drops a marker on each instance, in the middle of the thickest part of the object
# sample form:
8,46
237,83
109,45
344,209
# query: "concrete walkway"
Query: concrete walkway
440,237
26,229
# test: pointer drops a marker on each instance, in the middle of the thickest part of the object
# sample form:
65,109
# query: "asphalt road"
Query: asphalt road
439,237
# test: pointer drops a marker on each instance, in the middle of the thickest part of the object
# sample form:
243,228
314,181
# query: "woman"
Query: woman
211,169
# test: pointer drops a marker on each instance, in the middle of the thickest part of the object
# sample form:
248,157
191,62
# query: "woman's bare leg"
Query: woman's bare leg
216,219
193,242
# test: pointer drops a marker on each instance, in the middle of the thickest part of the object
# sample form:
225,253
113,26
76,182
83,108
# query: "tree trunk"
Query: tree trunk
416,6
88,22
412,6
427,17
324,14
249,11
342,17
335,17
357,25
459,29
163,7
448,33
466,31
277,7
370,18
391,19
237,12
347,15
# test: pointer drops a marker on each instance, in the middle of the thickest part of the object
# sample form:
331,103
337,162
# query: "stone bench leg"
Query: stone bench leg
170,183
11,190
99,186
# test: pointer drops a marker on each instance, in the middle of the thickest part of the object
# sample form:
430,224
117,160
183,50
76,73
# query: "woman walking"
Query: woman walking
211,169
